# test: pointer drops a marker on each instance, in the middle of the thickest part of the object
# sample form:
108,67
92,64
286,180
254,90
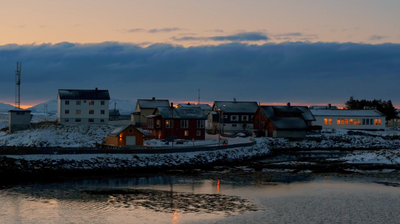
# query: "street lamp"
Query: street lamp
219,126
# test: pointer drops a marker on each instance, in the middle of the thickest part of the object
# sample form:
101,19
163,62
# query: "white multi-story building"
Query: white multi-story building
76,106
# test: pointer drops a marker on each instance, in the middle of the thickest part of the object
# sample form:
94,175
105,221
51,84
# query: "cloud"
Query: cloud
295,36
164,30
377,37
245,36
136,30
216,31
284,72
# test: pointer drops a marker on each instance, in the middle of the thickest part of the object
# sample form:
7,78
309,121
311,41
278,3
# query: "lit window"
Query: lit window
186,133
379,121
102,111
330,121
78,111
359,121
67,102
91,102
325,121
91,111
376,122
338,121
346,121
351,121
168,123
342,121
66,111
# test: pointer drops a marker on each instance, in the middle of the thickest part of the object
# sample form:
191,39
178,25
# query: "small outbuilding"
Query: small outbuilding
124,136
19,119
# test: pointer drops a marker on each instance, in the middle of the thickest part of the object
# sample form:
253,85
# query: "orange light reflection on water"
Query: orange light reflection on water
218,186
175,218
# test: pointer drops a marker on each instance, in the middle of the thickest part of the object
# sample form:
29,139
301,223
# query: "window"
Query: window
330,121
66,120
338,121
198,133
91,111
184,123
371,121
224,116
20,113
376,122
346,121
102,112
78,111
66,111
130,130
102,120
91,102
359,122
102,102
325,121
186,133
342,121
234,118
245,117
233,125
363,121
158,123
67,102
91,120
350,121
78,120
200,123
78,102
367,122
168,124
150,123
379,121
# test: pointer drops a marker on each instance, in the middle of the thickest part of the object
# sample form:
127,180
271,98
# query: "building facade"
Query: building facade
18,120
183,122
125,136
350,119
83,106
146,107
232,116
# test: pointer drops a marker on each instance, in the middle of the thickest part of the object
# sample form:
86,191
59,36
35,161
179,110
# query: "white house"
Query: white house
76,106
349,119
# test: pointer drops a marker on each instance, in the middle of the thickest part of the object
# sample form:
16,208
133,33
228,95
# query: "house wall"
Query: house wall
120,140
320,120
163,132
19,120
230,125
141,117
84,116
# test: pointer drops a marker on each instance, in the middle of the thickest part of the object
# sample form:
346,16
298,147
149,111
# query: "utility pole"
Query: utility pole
17,86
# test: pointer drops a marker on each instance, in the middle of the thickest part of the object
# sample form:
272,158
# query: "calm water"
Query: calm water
251,198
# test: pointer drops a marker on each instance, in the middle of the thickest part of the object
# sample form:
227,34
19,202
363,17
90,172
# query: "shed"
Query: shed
19,119
126,135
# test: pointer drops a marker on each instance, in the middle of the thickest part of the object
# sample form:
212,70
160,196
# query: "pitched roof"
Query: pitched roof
152,103
120,129
84,94
269,111
235,106
289,123
348,113
181,113
202,106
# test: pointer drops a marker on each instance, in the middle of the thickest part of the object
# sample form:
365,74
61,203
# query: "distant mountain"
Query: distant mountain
5,107
124,106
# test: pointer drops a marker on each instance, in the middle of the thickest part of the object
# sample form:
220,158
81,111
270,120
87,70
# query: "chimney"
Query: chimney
153,98
234,99
329,106
96,89
288,104
172,105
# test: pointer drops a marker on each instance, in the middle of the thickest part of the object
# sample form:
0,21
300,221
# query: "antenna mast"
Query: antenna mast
198,100
17,86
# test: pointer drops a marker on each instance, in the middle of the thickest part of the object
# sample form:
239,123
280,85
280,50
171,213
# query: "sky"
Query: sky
309,52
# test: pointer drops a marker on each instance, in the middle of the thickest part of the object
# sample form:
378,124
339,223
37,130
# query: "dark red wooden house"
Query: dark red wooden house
182,122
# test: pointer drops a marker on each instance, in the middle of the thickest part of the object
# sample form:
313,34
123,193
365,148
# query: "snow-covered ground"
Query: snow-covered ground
384,156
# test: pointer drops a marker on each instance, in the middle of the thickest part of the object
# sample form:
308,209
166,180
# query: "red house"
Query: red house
182,122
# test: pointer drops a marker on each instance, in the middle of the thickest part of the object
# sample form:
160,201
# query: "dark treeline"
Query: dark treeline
385,107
